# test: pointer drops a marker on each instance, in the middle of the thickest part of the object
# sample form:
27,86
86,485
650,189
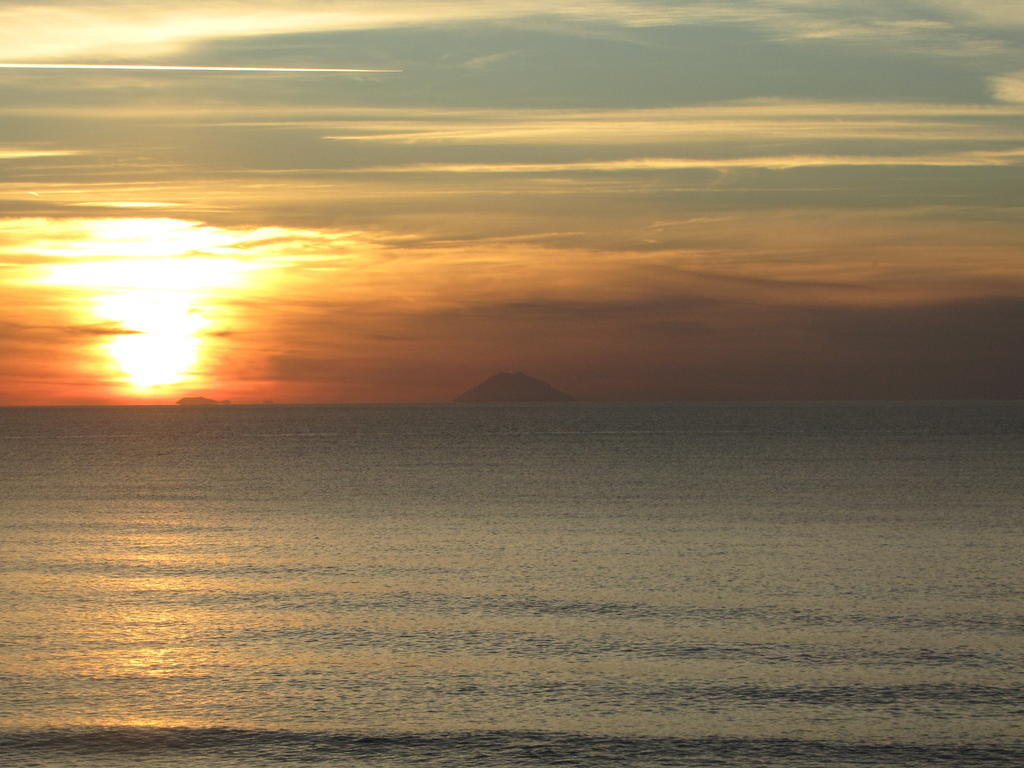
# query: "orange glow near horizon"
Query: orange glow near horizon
156,303
164,344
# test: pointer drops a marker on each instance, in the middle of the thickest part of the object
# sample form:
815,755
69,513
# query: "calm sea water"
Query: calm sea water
536,585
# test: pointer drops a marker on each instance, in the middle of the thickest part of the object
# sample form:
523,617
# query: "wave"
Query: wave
232,746
454,604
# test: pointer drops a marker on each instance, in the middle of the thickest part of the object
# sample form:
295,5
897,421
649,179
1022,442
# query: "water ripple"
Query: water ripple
229,746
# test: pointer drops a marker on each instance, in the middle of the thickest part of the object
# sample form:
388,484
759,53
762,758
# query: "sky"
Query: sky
632,200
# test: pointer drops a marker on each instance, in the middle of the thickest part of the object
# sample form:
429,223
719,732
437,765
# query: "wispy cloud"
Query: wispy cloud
937,27
38,32
33,32
781,162
14,153
1009,87
720,123
97,329
184,68
988,13
417,118
46,240
129,204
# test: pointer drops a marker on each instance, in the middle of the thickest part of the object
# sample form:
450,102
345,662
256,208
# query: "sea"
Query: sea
572,584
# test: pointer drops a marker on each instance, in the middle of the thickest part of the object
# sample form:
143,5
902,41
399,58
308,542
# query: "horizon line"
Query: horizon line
658,401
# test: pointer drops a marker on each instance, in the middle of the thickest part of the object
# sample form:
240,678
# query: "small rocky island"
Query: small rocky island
513,388
202,401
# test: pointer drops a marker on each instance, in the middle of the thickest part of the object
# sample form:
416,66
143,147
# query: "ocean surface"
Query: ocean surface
677,585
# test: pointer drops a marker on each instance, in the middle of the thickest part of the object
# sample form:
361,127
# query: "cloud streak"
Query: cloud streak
101,330
428,119
778,163
1009,88
11,153
714,123
33,31
185,68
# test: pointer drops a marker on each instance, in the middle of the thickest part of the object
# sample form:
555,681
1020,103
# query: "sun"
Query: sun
161,342
154,312
154,309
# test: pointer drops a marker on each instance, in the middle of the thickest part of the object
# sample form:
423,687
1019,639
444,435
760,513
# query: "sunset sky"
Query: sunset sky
632,200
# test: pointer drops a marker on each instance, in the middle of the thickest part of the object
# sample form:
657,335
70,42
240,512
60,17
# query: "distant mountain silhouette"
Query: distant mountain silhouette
201,401
513,388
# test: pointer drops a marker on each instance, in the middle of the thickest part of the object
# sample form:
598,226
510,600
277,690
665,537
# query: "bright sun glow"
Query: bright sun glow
164,344
156,303
136,239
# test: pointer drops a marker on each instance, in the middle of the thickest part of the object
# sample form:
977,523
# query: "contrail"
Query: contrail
181,68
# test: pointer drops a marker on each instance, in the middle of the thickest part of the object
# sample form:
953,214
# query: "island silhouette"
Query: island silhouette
201,401
513,388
